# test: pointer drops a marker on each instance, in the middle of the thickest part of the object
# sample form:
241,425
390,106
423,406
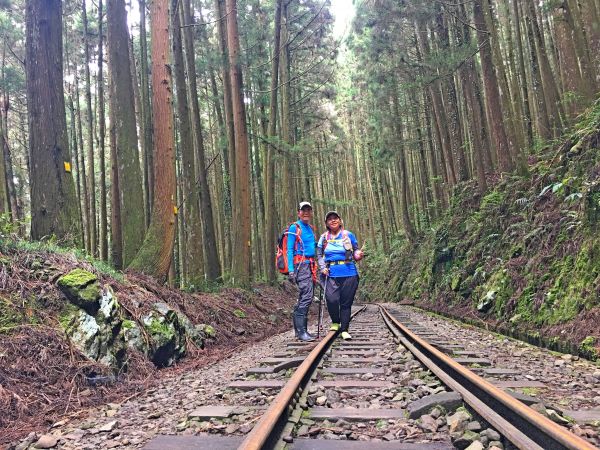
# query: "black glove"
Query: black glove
292,277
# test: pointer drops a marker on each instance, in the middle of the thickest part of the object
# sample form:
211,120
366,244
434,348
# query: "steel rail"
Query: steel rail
525,428
264,434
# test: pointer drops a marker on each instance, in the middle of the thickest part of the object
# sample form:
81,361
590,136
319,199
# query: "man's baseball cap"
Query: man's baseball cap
303,205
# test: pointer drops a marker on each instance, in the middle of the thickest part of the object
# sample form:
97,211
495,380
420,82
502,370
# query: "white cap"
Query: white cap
303,204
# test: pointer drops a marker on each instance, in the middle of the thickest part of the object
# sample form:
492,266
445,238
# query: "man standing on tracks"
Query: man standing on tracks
302,267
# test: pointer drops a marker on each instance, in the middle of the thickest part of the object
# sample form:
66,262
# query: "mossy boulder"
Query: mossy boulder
82,289
99,336
167,334
486,303
192,331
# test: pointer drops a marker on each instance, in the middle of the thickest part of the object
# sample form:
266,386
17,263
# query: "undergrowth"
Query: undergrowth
524,254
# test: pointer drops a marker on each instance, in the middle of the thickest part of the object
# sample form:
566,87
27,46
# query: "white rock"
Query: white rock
476,445
321,400
108,427
46,441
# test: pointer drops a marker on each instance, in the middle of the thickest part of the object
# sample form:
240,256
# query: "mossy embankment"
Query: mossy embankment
523,258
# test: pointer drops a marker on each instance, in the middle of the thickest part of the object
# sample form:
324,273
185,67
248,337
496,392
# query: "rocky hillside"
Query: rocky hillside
74,333
523,258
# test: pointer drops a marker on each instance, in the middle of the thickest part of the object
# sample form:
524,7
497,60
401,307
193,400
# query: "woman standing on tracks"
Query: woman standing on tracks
337,252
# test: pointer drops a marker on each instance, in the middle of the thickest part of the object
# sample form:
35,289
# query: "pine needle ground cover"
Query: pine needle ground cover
523,258
43,377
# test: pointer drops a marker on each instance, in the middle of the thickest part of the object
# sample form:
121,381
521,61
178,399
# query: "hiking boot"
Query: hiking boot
299,323
334,327
346,335
306,328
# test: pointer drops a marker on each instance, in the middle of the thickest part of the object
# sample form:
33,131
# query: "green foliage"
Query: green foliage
239,313
15,312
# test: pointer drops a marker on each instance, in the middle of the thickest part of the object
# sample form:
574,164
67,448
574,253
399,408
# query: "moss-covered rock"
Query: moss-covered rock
193,332
167,334
100,336
82,289
207,330
486,303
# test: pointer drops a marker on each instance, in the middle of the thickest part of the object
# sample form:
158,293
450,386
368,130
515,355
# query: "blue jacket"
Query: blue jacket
335,252
306,246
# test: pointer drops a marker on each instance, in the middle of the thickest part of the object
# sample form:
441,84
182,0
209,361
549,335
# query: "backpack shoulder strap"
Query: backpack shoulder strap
325,236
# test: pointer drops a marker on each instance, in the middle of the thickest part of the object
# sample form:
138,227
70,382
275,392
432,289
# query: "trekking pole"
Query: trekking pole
321,301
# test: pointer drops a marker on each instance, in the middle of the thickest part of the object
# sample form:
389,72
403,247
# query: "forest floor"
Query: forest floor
44,379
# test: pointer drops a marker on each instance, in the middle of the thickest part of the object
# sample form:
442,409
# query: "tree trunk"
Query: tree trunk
438,111
550,90
574,85
240,270
122,105
91,201
228,110
148,158
522,79
74,146
451,108
103,234
81,153
155,255
116,237
290,193
209,241
53,201
591,20
4,203
491,90
542,120
270,206
192,229
409,229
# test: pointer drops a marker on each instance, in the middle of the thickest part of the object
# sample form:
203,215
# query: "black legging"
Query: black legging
339,294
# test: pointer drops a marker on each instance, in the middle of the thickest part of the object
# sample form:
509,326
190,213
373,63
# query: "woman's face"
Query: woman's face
333,223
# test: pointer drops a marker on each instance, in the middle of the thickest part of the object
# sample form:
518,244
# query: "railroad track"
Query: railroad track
339,394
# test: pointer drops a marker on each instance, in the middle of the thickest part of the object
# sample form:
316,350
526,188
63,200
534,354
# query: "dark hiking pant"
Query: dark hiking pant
339,294
306,287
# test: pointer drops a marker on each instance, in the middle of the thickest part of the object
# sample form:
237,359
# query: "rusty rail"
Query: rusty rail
524,427
265,433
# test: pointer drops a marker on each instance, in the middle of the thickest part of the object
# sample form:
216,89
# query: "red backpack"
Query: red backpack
281,256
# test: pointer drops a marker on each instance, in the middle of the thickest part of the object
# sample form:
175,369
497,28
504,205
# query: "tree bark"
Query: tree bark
91,170
122,105
82,166
4,203
550,90
192,229
155,255
240,270
53,201
211,255
103,233
116,241
229,158
270,206
148,157
491,90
